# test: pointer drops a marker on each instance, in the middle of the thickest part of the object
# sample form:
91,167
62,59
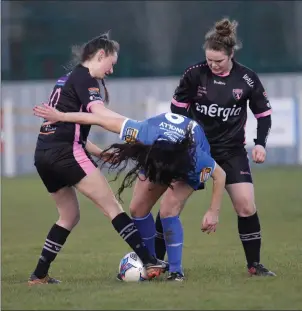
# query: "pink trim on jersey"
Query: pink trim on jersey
223,74
263,114
178,104
79,152
92,103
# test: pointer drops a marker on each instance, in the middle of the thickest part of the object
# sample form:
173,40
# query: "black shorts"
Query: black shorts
237,169
63,166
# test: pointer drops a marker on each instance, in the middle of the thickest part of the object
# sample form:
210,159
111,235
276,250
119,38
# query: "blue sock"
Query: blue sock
146,228
174,238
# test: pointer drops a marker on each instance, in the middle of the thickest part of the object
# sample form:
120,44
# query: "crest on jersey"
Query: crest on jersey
237,93
205,174
131,135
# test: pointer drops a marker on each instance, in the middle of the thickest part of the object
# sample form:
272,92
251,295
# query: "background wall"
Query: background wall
158,40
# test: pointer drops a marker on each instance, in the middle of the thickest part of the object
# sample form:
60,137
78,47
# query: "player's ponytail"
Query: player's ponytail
163,162
223,36
88,50
84,52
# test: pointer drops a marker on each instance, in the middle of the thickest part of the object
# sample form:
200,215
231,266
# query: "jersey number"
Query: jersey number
174,118
54,98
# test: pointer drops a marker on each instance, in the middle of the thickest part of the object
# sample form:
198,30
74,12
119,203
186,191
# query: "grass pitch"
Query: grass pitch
214,264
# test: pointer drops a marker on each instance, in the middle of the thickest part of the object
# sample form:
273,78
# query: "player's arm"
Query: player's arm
261,108
93,149
213,170
88,92
100,115
183,95
96,151
218,177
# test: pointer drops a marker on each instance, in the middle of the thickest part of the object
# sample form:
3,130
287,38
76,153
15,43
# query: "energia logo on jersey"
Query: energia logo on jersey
214,111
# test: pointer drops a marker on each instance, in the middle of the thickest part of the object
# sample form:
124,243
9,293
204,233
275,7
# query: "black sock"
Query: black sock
250,236
53,244
160,245
128,231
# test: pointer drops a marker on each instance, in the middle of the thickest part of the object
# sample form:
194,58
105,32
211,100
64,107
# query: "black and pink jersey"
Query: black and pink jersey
219,104
75,92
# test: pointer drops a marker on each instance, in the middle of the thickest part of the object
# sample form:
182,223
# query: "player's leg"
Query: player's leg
81,171
95,187
239,185
145,195
69,215
172,203
160,245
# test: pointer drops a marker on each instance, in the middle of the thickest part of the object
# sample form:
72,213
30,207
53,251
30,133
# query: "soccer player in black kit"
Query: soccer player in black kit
215,93
63,159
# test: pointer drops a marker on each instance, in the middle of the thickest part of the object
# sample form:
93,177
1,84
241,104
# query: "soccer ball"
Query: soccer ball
131,268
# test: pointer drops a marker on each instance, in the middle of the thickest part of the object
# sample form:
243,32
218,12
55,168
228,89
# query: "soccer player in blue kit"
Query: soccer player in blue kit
159,147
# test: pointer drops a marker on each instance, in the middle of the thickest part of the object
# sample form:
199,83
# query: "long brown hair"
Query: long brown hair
223,37
89,49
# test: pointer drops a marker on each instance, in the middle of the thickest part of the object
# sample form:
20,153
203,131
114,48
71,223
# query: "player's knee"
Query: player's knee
170,208
134,211
245,206
69,221
139,210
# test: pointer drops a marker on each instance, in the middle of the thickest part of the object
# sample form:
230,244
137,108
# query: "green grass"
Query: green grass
214,264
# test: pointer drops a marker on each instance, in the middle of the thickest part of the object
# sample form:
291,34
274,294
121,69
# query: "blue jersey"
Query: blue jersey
173,127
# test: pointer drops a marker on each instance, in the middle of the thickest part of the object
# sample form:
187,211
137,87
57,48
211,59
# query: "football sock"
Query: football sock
250,236
128,231
160,245
173,234
146,227
54,242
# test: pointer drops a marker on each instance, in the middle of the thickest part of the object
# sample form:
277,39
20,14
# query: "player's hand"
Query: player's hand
210,221
259,154
51,114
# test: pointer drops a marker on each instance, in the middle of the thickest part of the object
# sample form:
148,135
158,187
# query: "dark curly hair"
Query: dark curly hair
162,162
